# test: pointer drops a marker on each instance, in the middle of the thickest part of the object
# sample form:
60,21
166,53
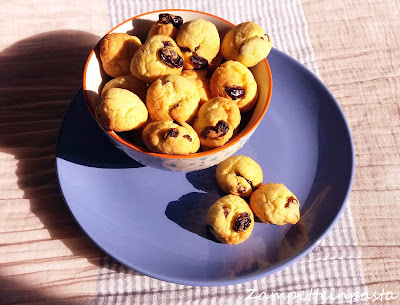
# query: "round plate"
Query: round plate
154,221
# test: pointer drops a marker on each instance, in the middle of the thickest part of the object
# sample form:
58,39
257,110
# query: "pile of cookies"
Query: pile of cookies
230,218
182,88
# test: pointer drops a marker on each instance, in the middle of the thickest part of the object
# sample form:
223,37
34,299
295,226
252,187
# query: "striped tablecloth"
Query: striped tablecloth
353,46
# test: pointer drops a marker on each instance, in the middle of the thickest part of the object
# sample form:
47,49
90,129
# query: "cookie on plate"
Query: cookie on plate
159,56
239,175
234,81
172,97
170,138
231,219
121,110
167,25
246,43
128,82
202,83
275,203
199,41
216,121
116,52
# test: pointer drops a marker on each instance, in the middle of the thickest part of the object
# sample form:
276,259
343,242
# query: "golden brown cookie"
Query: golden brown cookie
116,52
128,82
239,175
170,138
199,41
202,83
234,81
246,43
172,97
230,219
121,110
216,121
167,25
275,203
159,56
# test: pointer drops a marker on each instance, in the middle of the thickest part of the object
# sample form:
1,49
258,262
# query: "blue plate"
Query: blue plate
154,221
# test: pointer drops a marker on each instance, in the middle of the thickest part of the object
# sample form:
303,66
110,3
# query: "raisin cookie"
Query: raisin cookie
128,82
199,41
246,43
239,175
202,83
121,110
216,121
231,219
275,203
167,25
234,81
172,97
159,56
170,138
116,52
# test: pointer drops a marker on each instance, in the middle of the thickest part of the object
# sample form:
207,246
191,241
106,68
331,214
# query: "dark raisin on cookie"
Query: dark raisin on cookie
290,200
235,92
248,181
185,49
172,132
167,43
199,62
217,131
242,222
176,21
241,189
186,136
170,57
226,211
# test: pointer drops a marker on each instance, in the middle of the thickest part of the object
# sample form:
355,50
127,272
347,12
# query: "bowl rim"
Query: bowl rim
189,156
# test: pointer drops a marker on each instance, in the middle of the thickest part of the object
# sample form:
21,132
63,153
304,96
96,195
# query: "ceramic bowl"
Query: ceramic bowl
94,79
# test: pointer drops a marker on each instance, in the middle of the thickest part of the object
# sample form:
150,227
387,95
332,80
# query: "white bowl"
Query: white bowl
94,78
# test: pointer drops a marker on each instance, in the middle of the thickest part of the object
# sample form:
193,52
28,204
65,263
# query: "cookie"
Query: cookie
231,220
170,138
216,121
128,82
202,83
239,175
246,43
275,203
172,97
159,56
234,81
167,25
121,110
199,41
116,52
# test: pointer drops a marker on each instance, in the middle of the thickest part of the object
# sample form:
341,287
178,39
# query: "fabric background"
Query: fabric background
44,256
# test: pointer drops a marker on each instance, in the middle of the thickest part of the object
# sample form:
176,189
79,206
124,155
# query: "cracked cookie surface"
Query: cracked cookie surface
199,41
230,219
171,138
121,110
159,56
216,121
116,53
128,82
172,97
234,81
275,203
246,43
239,175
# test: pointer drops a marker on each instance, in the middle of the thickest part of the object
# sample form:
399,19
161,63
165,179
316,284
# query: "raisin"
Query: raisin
235,92
172,132
167,43
290,200
248,181
241,189
176,21
196,48
199,62
186,136
226,211
170,57
217,131
242,222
